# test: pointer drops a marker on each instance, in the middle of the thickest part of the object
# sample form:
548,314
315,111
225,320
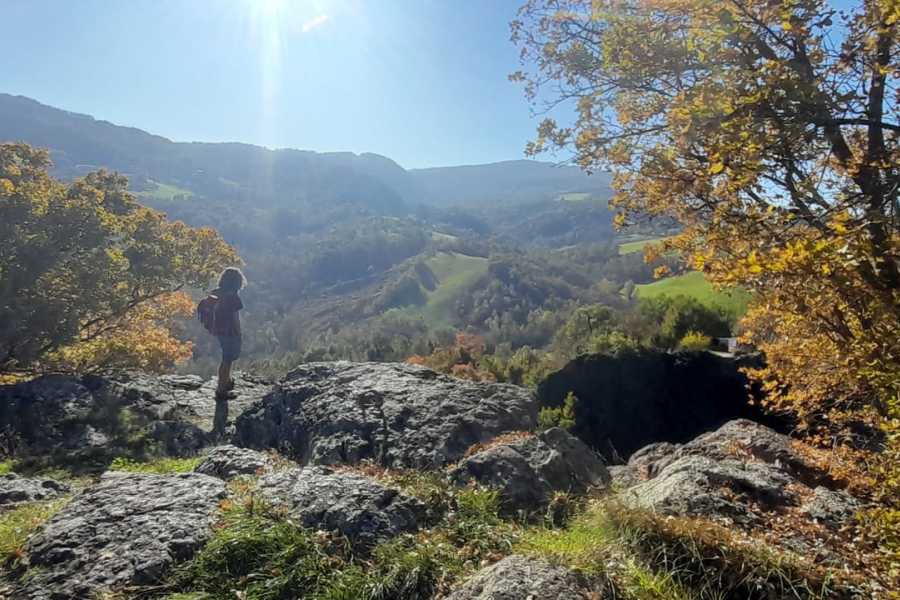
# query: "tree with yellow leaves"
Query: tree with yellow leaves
89,277
769,129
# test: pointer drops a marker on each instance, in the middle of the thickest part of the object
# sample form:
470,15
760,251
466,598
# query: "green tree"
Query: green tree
78,258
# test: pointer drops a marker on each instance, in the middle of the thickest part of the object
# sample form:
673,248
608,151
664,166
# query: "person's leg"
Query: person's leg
224,376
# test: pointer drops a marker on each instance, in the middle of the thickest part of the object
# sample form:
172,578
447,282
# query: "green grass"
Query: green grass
455,273
638,245
695,285
158,466
259,553
644,556
164,191
6,466
17,524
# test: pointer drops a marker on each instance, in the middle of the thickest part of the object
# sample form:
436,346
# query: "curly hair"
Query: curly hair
231,280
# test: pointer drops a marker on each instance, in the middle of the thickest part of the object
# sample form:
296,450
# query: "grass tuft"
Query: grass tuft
20,522
159,466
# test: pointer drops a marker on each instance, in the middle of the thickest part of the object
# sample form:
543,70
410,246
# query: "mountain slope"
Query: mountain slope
284,177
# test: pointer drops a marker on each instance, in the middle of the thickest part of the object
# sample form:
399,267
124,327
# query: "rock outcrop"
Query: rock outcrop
228,462
15,489
398,415
128,529
521,578
743,472
83,416
360,508
529,469
628,401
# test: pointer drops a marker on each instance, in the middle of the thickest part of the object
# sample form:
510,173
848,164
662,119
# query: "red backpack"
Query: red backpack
206,312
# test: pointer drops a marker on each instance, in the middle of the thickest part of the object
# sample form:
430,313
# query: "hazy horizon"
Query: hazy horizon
424,84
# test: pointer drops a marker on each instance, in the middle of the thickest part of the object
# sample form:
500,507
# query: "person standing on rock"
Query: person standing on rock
219,314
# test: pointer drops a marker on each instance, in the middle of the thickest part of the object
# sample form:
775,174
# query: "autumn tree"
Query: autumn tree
769,130
87,273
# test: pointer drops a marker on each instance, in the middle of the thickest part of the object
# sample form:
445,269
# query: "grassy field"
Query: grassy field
693,284
164,191
455,274
637,246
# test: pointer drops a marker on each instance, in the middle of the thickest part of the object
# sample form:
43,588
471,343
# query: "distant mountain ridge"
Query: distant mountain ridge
283,177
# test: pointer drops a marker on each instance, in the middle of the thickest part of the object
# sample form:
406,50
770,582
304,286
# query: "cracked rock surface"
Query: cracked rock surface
228,462
521,578
359,507
15,489
397,415
528,470
129,529
92,415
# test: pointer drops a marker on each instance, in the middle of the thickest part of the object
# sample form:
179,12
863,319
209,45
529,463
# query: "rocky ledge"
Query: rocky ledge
397,415
340,425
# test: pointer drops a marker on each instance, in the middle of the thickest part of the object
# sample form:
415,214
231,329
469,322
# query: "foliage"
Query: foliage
694,341
79,258
159,466
670,318
18,523
562,416
141,338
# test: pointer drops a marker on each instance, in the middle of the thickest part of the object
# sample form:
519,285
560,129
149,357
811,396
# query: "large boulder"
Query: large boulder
15,489
743,472
227,462
521,578
80,416
398,415
358,507
700,486
128,529
636,398
530,468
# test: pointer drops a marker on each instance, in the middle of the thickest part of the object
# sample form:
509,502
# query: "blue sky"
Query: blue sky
423,82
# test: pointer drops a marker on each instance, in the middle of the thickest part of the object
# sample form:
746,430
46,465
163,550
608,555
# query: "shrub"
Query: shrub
694,341
561,416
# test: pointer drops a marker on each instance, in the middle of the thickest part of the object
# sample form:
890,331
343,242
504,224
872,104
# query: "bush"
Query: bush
561,416
694,341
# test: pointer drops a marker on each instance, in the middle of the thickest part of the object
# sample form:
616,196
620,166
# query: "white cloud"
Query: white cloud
314,23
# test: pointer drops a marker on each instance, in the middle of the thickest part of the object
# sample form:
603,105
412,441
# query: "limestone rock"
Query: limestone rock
701,486
398,415
83,416
830,507
521,578
228,462
360,508
128,529
528,470
15,489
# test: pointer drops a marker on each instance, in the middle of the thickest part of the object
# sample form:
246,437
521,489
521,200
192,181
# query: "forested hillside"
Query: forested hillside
351,256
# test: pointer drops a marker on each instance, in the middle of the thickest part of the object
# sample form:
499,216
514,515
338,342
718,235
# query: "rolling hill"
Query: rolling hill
235,171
